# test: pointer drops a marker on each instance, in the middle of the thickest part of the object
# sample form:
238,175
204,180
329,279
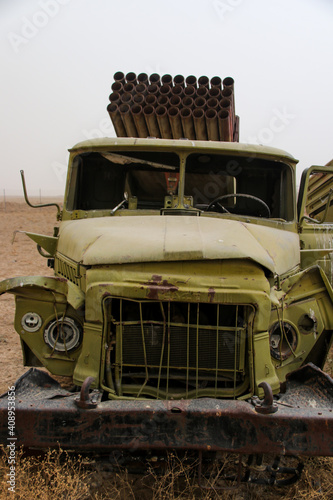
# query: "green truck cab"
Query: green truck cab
188,280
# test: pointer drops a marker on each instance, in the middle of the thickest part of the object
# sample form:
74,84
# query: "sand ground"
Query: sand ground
19,258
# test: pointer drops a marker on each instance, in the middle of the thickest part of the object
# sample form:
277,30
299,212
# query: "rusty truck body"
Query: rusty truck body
189,297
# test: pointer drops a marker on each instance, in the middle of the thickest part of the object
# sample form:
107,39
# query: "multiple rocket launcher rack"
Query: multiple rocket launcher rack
173,107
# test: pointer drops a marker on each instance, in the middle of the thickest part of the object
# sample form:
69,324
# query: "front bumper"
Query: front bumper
48,416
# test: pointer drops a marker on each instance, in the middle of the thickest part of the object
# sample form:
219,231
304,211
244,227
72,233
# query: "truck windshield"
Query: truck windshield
149,180
240,185
99,180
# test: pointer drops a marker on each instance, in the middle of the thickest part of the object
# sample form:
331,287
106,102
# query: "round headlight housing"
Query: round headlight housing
63,335
283,340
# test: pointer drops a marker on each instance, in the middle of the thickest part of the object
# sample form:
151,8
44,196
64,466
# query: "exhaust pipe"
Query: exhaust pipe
163,122
175,123
212,125
139,120
151,121
224,125
117,122
187,123
127,118
199,124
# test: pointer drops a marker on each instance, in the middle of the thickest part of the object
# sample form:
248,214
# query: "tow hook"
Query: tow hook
266,406
86,402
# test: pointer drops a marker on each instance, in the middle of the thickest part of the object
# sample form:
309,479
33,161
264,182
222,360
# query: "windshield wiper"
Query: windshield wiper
121,204
127,160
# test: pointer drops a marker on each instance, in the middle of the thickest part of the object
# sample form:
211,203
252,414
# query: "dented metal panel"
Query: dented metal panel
153,239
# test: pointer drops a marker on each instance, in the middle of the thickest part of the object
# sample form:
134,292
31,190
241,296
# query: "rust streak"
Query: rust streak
156,286
211,294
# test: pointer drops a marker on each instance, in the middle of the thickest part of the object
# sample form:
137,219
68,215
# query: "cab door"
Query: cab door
315,216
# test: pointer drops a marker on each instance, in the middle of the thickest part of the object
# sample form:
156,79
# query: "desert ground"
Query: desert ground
19,257
74,478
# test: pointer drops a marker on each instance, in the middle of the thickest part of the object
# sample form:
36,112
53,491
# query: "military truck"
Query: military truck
189,298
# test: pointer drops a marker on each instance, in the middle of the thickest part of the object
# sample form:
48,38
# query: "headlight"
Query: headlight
283,340
64,334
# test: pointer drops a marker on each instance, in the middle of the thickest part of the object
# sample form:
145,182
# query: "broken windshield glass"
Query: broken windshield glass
99,180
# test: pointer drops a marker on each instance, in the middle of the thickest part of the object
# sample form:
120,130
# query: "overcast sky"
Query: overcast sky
59,56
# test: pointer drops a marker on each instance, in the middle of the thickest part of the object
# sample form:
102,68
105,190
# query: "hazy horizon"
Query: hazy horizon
59,58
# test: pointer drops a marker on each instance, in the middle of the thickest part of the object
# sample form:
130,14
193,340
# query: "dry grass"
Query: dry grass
63,476
56,475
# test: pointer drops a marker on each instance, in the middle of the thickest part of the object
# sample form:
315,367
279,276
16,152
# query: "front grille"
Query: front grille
176,349
181,345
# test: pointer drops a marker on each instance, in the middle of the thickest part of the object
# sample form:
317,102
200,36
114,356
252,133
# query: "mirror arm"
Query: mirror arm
41,205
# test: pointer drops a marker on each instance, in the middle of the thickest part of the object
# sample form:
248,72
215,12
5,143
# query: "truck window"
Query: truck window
262,182
99,180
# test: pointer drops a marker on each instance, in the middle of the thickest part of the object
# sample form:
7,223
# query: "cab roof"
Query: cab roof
235,148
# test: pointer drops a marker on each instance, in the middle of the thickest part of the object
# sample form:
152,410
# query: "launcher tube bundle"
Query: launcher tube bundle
173,107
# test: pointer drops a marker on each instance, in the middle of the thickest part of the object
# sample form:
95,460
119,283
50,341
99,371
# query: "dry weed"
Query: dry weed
57,474
65,476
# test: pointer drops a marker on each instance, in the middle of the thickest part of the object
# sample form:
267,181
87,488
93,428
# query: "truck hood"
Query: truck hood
120,240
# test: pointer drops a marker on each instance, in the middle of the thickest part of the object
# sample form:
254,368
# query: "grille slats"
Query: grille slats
166,347
210,345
